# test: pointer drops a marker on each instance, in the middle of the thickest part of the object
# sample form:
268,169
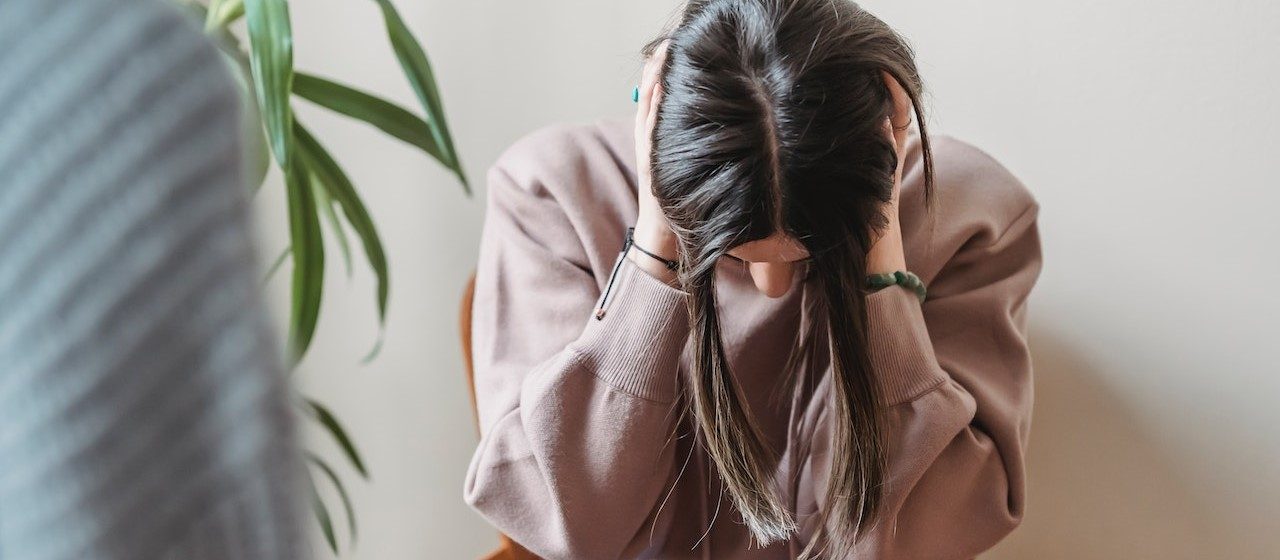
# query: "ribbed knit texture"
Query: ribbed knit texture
903,375
143,409
658,311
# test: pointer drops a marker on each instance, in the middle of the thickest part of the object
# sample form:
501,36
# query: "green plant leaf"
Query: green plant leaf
322,516
377,349
271,58
331,424
307,249
335,181
258,152
383,114
277,263
325,204
342,492
222,12
418,71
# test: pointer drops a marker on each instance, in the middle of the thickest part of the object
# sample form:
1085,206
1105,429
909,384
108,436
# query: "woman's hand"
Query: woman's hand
653,232
886,253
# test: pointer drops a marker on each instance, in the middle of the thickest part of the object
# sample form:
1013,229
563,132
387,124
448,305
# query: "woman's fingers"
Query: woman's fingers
647,110
648,82
896,135
652,117
652,68
901,101
901,118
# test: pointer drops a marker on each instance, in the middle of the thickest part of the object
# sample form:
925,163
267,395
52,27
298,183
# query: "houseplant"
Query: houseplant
316,186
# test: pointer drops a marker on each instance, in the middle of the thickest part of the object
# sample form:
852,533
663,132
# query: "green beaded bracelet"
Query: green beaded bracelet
905,278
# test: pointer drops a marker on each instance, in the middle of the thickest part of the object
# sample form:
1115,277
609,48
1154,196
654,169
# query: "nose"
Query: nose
771,278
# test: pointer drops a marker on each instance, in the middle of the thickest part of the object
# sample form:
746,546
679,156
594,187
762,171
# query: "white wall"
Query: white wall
1148,131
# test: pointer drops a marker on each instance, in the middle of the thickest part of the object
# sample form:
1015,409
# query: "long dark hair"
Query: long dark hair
772,119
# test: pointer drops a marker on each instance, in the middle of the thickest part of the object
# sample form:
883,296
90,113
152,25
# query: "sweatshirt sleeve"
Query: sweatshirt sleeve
569,403
959,370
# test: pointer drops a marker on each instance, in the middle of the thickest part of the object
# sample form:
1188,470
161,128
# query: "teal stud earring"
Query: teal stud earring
635,95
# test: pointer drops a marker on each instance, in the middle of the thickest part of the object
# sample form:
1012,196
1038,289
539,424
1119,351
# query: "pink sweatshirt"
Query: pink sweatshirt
581,455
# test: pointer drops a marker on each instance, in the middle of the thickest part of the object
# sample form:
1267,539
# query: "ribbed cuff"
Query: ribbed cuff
636,345
901,351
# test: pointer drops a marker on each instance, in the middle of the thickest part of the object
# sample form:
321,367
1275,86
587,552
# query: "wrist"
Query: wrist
653,267
887,254
657,238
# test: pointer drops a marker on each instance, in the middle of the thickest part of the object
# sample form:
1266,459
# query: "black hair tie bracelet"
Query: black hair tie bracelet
905,278
631,242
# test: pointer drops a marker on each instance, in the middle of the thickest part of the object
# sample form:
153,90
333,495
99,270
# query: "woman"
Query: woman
730,384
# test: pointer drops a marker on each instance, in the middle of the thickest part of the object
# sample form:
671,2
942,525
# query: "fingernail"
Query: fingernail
635,95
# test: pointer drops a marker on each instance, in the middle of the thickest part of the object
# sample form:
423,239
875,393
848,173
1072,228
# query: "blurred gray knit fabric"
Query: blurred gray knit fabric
143,408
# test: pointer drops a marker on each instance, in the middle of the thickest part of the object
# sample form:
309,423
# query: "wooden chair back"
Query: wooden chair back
507,549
